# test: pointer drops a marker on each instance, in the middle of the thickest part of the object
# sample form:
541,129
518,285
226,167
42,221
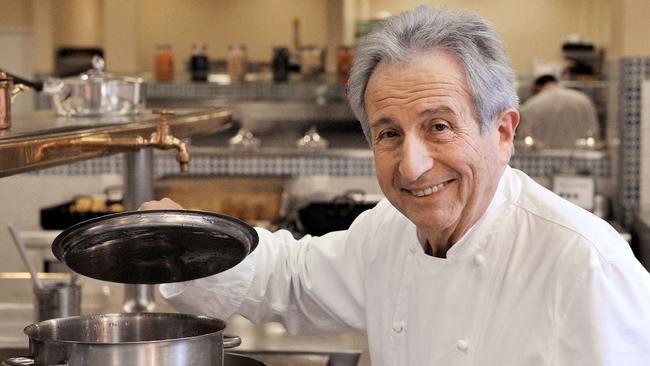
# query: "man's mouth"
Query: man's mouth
427,191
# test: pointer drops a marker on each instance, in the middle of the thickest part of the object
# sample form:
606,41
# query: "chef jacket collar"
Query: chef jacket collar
475,235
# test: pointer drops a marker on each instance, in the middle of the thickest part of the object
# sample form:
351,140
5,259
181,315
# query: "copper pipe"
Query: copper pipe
162,139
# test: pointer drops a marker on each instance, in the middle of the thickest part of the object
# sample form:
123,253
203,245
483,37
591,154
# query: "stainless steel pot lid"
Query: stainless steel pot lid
158,246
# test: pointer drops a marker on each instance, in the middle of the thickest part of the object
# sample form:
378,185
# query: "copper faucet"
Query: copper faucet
161,138
7,93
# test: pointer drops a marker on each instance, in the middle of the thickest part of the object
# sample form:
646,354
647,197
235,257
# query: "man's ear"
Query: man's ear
506,125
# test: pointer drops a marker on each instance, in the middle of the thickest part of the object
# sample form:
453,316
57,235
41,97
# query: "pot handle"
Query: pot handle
23,361
19,361
230,341
36,85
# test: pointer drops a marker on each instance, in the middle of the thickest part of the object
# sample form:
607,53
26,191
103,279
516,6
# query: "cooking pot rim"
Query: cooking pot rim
33,328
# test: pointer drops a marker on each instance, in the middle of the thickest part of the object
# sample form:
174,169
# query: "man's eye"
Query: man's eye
440,127
388,134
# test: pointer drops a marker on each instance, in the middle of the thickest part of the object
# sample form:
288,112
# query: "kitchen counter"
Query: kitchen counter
42,140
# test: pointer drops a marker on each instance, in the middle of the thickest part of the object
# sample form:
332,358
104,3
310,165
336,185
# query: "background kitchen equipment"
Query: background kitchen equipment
255,200
576,188
51,300
96,93
57,300
133,338
157,246
304,358
36,282
71,61
319,218
82,208
93,93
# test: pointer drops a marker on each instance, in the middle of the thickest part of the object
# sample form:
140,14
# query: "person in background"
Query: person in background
467,261
557,116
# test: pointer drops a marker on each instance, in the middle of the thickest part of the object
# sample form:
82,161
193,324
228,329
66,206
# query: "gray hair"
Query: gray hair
464,35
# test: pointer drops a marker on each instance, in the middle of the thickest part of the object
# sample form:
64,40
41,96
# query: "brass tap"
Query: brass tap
161,138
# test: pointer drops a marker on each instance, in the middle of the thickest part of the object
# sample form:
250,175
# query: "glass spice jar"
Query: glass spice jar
236,62
164,63
344,57
311,61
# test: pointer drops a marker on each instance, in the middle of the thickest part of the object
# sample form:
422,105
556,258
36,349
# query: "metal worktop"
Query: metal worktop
42,140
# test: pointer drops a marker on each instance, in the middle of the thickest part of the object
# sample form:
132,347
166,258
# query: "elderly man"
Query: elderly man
466,261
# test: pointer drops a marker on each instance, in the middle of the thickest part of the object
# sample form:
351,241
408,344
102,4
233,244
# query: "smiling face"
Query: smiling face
433,163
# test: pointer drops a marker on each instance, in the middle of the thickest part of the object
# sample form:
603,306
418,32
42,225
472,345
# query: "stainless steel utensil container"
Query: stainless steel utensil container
57,300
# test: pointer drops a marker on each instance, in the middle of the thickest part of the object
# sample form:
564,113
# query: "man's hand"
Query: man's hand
163,204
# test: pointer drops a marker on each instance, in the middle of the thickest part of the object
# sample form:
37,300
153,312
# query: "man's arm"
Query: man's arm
312,284
607,317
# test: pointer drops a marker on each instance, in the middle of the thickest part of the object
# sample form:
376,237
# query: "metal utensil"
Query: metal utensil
23,254
158,246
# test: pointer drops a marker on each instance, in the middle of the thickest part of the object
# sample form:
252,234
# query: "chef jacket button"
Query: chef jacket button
398,327
479,260
462,345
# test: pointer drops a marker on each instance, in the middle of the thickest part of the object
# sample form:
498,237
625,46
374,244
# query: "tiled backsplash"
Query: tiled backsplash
305,165
630,74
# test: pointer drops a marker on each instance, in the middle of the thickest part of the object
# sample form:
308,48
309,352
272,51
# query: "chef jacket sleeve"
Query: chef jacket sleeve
607,320
311,285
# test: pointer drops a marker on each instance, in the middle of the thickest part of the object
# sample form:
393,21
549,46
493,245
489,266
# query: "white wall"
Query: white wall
530,29
19,61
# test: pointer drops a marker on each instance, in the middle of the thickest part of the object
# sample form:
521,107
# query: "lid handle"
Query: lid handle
98,63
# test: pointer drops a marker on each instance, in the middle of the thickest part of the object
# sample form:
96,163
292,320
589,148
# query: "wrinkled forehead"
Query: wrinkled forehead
436,66
433,73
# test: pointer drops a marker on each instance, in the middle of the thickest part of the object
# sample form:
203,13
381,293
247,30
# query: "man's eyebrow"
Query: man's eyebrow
424,114
381,122
437,110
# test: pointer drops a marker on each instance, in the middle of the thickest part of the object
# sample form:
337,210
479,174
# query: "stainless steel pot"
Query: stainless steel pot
96,93
161,339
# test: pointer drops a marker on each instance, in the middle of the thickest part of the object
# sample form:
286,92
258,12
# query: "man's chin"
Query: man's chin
433,220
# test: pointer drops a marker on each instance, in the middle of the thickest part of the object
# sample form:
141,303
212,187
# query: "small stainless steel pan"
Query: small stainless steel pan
158,246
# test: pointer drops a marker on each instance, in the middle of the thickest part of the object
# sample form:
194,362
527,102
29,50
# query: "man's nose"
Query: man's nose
416,159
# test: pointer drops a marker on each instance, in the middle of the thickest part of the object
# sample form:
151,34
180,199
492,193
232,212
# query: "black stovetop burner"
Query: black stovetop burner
230,359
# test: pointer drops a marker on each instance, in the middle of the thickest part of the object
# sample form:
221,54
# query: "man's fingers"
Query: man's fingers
163,204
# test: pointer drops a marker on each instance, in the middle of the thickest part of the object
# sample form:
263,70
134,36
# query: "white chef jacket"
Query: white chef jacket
537,281
558,116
